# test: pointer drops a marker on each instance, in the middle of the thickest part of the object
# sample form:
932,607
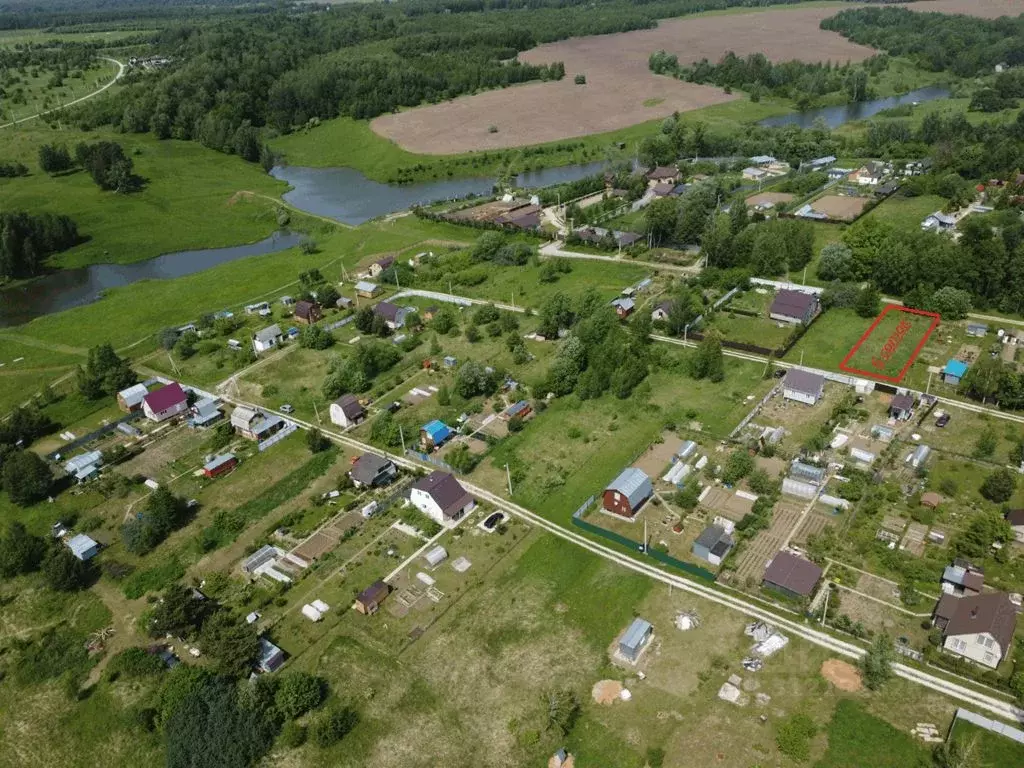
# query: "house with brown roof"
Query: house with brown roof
441,497
663,173
381,265
347,411
307,312
661,311
369,600
977,627
394,315
794,307
791,575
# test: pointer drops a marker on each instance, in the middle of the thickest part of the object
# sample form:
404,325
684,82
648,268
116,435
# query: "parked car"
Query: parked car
942,421
287,408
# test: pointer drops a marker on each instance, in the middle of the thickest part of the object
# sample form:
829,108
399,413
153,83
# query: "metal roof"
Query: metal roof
366,285
437,431
956,367
133,395
269,333
793,573
86,460
805,382
80,546
633,484
218,461
636,634
712,537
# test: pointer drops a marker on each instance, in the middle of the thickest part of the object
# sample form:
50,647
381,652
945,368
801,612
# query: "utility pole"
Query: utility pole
401,436
175,367
317,412
801,358
508,475
928,386
824,613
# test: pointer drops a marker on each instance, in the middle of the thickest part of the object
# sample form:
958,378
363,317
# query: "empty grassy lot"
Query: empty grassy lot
906,213
37,93
891,346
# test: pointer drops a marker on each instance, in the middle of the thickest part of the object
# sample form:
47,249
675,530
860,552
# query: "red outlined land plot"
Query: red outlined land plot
891,344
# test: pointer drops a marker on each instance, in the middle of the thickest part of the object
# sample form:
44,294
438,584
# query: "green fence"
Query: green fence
690,568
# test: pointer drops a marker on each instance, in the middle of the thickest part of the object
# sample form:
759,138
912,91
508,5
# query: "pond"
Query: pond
346,195
74,287
845,113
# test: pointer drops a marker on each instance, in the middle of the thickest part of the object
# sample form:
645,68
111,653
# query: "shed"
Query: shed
266,338
347,411
369,600
436,556
803,386
83,547
366,289
792,575
626,493
271,657
220,465
450,362
954,372
204,412
371,470
623,307
635,639
930,499
84,466
520,410
130,399
977,329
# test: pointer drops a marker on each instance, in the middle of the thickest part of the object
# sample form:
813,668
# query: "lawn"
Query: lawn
857,739
829,339
188,200
750,330
907,213
890,345
994,751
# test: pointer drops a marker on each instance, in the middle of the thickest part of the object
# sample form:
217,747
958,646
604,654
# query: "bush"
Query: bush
333,726
793,736
292,735
135,662
299,692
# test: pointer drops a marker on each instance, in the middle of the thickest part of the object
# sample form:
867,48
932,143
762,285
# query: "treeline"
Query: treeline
284,68
755,74
964,45
26,240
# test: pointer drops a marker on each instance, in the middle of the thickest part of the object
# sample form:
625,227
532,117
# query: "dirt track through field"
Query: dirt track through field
620,90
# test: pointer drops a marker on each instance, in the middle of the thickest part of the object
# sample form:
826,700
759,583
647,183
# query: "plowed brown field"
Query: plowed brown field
620,90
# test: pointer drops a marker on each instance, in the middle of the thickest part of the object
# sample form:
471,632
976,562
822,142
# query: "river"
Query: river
346,195
69,288
845,113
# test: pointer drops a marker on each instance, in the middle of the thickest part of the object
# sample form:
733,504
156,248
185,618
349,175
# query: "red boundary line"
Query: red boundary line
936,318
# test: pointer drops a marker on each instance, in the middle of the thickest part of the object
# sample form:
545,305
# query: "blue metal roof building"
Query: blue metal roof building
436,432
954,371
635,638
634,485
83,547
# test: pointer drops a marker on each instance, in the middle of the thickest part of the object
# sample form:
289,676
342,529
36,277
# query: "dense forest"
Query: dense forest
279,69
963,45
26,241
803,82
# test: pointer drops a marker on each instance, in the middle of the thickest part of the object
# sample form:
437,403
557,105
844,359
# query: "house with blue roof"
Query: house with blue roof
434,434
954,371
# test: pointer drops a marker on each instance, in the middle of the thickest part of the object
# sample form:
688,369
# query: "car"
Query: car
942,421
286,408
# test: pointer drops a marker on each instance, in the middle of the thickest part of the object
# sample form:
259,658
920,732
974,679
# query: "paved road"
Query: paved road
744,605
120,72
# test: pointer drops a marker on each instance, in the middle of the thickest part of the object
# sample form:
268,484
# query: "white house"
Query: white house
441,497
870,173
165,403
346,411
266,339
977,627
803,386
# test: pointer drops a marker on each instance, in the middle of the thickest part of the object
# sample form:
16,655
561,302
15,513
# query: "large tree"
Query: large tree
232,643
26,477
20,551
104,373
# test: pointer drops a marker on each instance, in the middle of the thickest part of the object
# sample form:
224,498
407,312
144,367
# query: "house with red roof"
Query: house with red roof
165,403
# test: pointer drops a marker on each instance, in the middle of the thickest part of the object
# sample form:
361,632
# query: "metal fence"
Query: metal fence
661,557
431,460
277,437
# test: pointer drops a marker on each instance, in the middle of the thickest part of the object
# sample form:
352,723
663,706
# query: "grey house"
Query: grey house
371,471
714,544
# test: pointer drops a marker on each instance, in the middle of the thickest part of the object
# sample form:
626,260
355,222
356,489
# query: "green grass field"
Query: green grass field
892,344
189,200
829,338
857,739
993,751
906,213
34,94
